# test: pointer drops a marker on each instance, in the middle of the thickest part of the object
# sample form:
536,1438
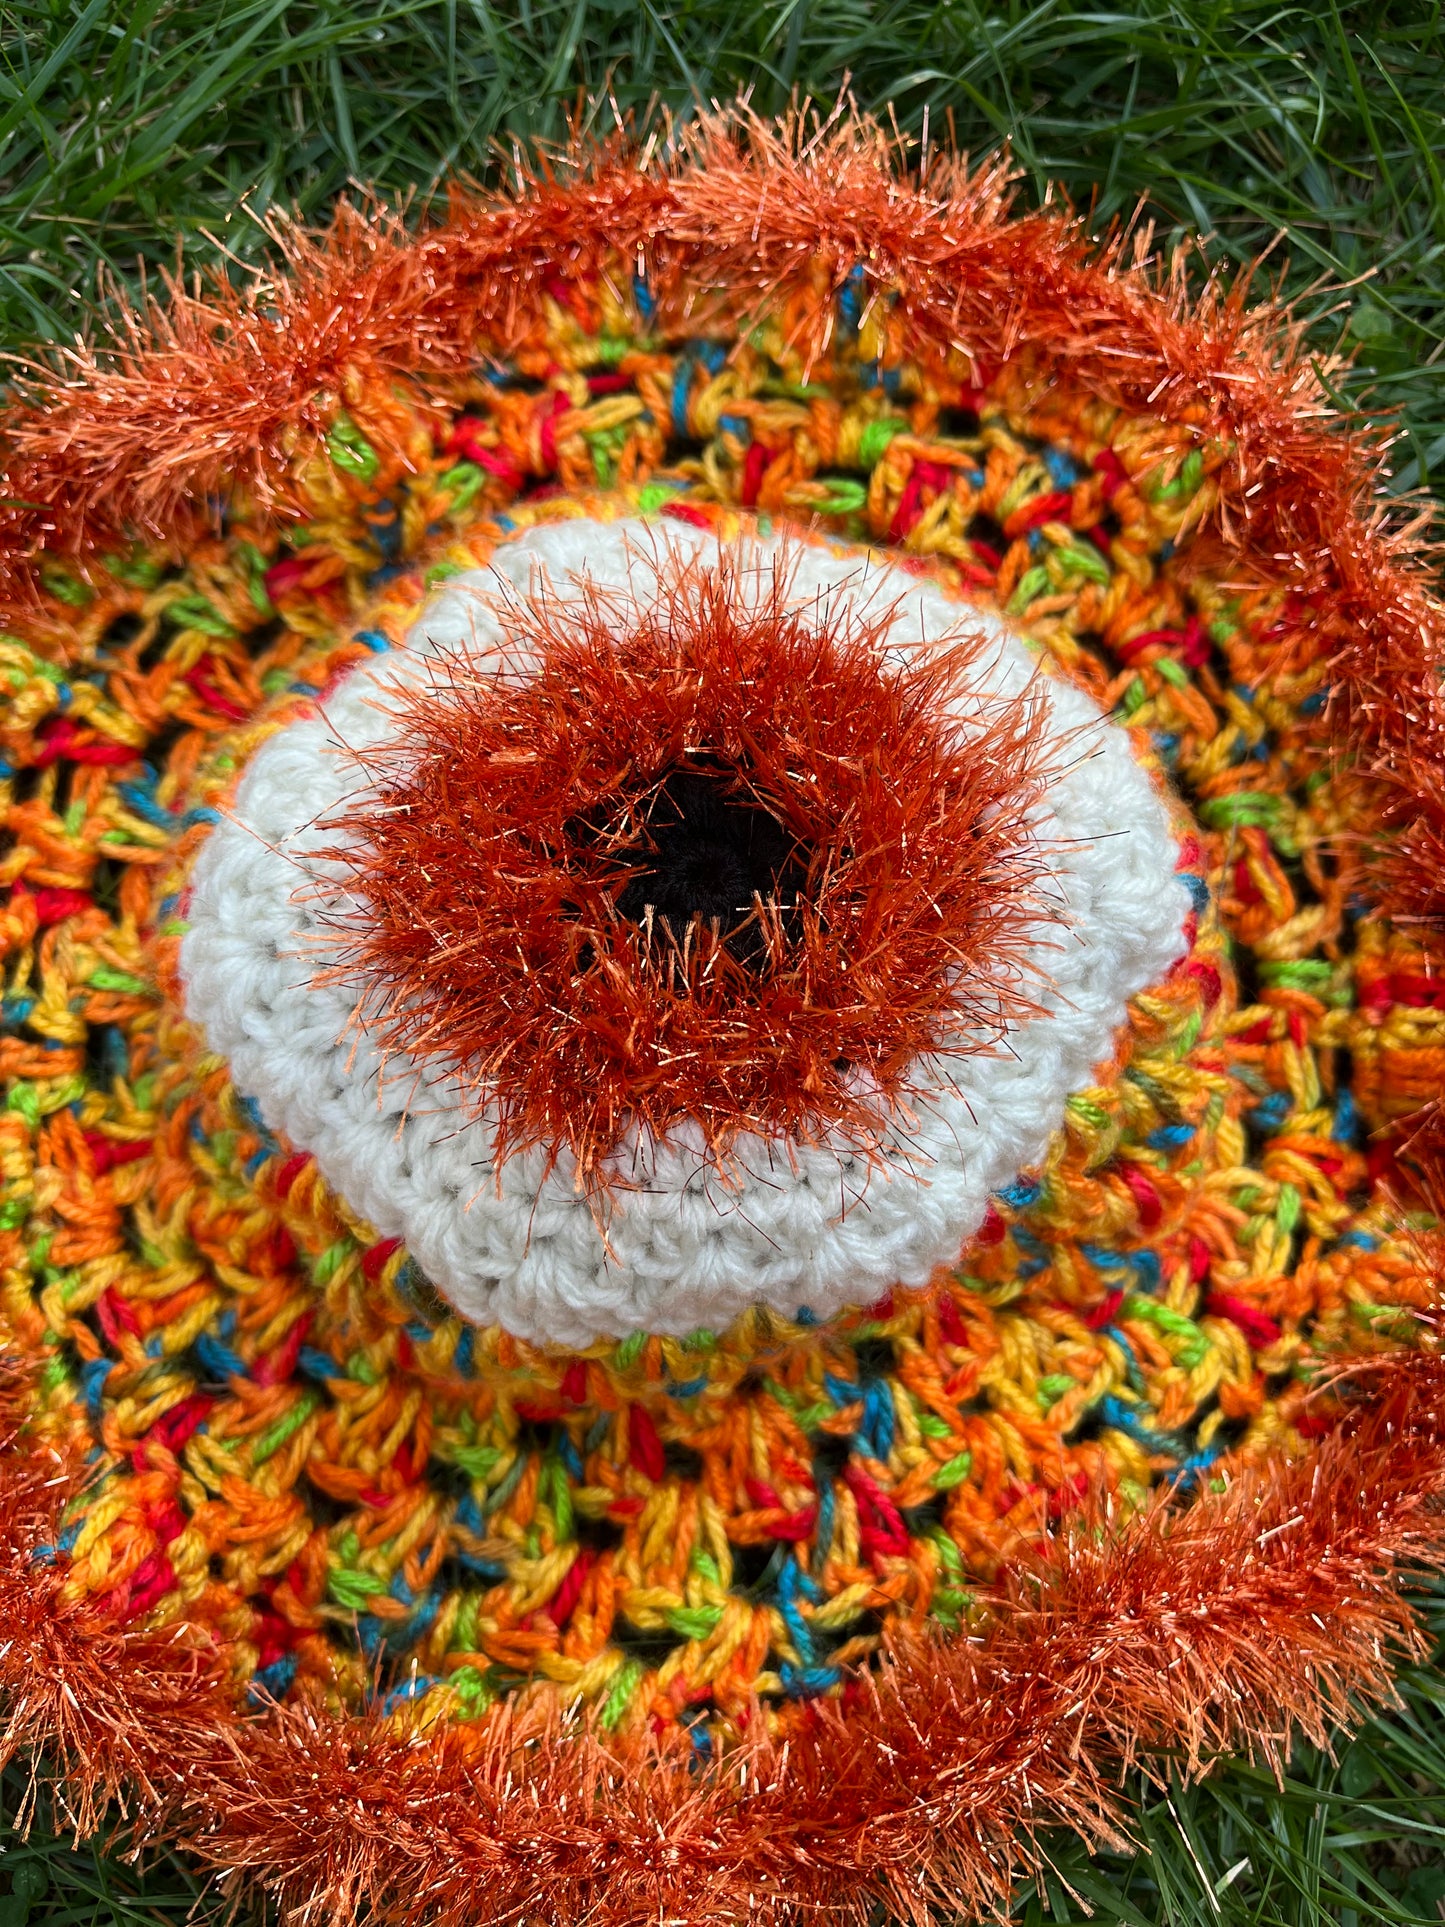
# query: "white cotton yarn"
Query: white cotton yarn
795,1226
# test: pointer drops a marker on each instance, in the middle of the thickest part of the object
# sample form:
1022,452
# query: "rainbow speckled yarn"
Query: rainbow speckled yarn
589,1605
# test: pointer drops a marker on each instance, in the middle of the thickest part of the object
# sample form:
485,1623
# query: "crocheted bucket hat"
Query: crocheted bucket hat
720,1025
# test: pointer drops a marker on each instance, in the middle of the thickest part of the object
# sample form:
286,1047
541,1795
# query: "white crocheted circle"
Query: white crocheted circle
795,1226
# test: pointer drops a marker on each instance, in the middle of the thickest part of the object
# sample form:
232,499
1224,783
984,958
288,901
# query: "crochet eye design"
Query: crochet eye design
674,925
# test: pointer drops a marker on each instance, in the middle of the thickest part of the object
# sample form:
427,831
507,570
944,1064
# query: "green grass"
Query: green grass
129,132
1358,1839
48,1880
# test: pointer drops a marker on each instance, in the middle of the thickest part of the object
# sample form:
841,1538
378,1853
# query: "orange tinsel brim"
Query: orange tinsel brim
1268,1610
217,392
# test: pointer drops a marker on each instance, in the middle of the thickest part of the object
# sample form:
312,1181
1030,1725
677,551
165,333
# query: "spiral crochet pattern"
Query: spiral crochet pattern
446,1525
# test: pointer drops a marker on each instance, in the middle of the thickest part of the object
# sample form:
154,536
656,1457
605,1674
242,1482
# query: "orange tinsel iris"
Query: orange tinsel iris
508,844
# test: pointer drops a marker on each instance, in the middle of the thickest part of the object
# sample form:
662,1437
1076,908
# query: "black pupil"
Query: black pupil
708,853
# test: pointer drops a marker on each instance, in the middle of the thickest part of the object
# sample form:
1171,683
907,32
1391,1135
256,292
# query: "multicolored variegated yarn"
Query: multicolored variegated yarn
299,1450
366,1504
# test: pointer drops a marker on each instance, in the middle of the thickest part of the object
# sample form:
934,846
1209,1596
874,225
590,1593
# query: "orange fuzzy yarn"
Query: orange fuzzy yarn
492,856
1266,1610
